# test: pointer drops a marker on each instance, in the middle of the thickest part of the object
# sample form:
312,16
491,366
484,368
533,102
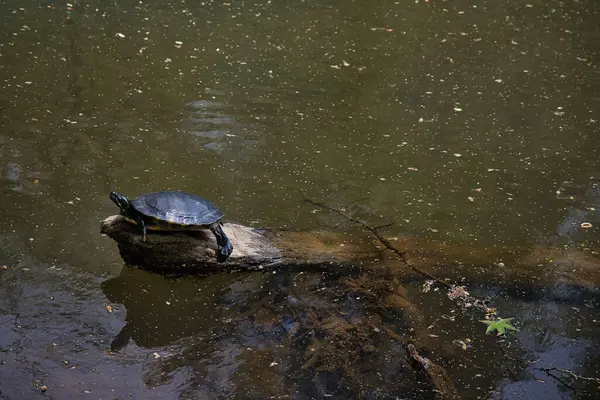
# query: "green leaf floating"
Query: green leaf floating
500,325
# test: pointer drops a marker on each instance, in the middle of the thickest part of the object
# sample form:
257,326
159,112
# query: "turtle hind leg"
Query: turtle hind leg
225,247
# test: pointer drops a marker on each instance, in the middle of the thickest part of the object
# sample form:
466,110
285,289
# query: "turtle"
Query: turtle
174,211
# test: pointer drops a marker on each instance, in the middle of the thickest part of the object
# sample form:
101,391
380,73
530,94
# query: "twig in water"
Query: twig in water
571,374
384,226
380,237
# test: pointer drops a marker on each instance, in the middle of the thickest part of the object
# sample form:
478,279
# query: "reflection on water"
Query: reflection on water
468,123
217,131
271,341
154,307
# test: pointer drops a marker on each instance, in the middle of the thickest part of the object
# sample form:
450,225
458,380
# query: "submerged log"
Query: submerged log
257,249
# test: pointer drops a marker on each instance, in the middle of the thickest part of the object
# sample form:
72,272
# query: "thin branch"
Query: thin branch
565,384
380,237
383,226
571,374
512,373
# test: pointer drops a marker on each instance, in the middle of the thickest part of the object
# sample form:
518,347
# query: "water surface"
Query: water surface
472,123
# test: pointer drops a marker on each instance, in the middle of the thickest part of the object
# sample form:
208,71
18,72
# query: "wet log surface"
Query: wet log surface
254,249
257,249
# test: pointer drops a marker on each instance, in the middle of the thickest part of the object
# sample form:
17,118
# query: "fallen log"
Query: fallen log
253,249
256,249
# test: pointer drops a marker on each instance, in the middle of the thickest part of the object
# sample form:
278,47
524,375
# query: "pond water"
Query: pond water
469,123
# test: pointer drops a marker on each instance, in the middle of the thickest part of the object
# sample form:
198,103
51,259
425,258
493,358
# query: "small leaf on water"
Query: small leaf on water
500,325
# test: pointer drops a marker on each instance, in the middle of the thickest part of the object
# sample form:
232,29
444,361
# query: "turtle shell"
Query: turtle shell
178,208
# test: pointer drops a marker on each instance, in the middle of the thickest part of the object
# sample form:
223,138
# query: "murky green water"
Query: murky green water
475,123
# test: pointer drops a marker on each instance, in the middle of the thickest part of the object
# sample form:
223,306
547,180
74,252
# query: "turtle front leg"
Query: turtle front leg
140,223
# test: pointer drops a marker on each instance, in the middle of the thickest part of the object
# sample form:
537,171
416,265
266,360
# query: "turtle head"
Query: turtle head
121,201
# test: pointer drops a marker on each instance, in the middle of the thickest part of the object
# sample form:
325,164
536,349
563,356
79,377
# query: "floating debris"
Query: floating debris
427,286
463,344
457,292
